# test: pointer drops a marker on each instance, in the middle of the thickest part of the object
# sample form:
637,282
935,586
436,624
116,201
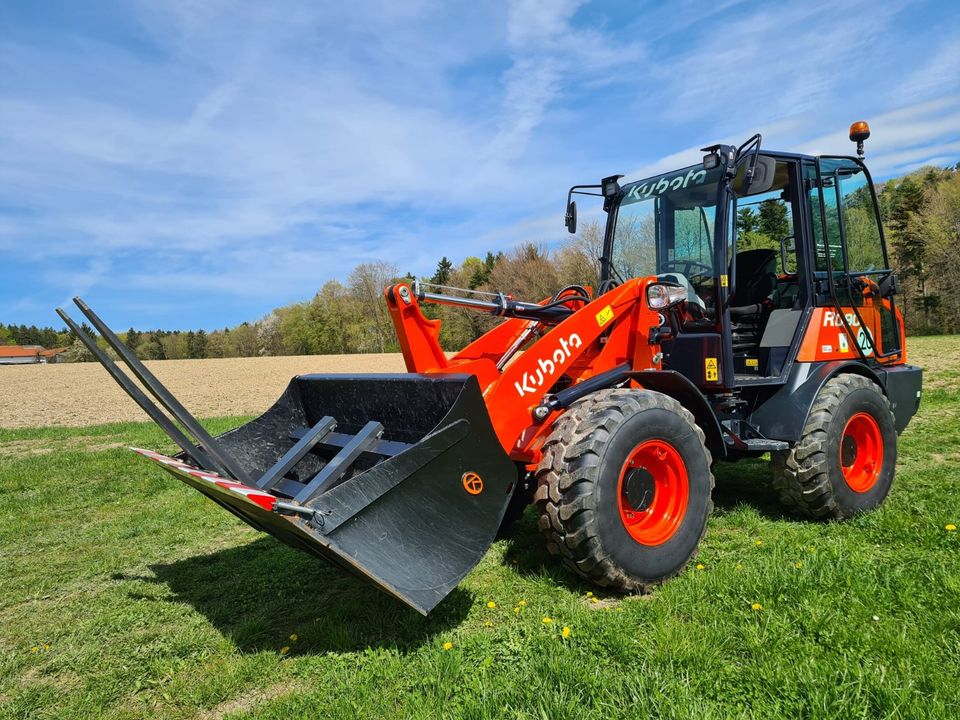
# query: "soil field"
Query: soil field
81,394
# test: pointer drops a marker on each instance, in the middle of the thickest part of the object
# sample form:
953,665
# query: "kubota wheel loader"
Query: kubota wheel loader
606,407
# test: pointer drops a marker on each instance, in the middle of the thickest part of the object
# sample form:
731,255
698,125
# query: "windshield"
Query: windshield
665,224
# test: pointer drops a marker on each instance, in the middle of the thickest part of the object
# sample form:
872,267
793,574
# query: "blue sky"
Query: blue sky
189,164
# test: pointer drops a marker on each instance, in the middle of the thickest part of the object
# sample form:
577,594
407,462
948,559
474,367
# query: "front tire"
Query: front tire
844,463
624,488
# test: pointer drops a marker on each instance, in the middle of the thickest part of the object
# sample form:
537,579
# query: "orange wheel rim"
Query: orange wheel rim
861,452
653,492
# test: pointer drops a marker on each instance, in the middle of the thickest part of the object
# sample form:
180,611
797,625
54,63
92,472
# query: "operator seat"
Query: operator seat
755,278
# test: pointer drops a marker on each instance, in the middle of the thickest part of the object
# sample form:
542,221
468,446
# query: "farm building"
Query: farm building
27,354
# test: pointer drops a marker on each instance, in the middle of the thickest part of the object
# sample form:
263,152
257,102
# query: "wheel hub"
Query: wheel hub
653,492
848,451
639,488
861,452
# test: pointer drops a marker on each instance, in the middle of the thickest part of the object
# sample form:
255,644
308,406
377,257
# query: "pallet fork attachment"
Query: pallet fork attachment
374,473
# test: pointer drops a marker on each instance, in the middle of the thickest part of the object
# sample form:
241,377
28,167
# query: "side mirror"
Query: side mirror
764,170
570,220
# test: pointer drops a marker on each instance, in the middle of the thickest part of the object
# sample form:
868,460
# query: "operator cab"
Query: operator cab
666,226
739,240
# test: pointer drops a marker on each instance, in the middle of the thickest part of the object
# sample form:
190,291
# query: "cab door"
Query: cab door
855,314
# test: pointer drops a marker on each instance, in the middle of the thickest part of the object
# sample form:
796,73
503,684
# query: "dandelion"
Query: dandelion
488,623
589,594
798,564
594,601
447,645
758,543
34,649
547,620
293,637
516,610
46,647
738,566
950,527
700,566
491,604
565,633
756,606
284,650
522,603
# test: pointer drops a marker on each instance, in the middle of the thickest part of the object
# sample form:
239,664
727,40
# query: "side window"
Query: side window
765,221
693,235
848,244
827,252
851,213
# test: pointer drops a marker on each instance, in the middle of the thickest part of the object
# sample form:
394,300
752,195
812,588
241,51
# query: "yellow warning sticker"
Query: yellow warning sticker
710,369
753,362
605,316
724,282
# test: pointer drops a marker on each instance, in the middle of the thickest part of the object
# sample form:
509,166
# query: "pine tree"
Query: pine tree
442,275
133,339
773,221
746,220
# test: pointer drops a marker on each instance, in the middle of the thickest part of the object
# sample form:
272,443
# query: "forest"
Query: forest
921,218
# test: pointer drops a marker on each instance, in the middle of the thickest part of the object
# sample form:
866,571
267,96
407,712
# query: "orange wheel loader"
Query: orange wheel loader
606,406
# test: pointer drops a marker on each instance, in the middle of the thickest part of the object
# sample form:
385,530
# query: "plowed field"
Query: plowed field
84,394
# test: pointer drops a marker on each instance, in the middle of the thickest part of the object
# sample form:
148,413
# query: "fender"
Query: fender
679,387
783,415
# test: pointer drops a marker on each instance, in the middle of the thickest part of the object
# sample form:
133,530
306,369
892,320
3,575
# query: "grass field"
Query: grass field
124,594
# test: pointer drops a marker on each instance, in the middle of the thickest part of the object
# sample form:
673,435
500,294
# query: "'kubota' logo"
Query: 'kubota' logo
834,319
530,382
472,483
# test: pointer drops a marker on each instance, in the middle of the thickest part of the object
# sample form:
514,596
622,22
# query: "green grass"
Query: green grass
124,594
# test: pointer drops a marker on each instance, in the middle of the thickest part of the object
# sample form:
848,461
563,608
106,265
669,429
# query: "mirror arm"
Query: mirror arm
752,144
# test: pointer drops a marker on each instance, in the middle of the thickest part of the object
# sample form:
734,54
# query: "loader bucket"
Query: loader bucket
409,514
399,479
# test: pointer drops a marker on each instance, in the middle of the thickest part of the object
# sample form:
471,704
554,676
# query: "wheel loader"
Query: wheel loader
605,406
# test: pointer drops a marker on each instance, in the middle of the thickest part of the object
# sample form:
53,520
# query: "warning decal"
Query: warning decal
710,369
605,316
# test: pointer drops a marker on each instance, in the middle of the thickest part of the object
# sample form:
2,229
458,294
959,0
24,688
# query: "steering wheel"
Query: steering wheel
688,265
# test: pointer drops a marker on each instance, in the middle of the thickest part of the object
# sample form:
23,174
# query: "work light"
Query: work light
663,295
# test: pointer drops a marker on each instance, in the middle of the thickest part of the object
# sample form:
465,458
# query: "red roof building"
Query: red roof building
27,354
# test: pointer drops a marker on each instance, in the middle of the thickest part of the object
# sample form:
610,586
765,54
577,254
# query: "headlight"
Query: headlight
661,295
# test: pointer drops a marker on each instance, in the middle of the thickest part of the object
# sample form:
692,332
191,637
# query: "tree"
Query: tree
746,220
78,352
909,245
442,275
244,339
150,348
774,221
197,344
269,340
367,282
132,339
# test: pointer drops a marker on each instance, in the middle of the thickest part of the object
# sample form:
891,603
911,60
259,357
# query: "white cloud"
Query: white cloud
217,143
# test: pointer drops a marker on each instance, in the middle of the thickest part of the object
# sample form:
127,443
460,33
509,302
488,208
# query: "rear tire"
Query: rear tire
844,463
624,488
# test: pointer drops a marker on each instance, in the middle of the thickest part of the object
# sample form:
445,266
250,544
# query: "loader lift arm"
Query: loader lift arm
598,341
